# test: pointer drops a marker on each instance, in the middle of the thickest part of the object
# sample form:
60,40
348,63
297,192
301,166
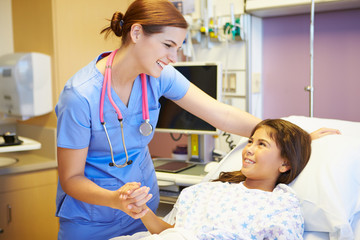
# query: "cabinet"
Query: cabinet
27,206
266,8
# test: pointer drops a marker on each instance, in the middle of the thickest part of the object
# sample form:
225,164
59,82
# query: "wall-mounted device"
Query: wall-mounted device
25,80
208,77
173,119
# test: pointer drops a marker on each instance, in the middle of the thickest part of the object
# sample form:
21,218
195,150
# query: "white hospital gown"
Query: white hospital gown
216,210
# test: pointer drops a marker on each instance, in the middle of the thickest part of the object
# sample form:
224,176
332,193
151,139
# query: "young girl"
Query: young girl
253,203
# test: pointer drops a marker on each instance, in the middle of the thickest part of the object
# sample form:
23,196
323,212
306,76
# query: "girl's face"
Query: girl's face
158,50
262,163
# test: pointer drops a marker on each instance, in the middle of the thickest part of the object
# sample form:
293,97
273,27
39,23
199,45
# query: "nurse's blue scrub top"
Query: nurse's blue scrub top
79,127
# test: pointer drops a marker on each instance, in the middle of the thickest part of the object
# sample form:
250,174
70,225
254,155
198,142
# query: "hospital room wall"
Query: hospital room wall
286,65
6,43
234,58
61,29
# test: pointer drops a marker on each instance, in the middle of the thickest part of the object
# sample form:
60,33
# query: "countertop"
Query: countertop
187,177
33,160
27,161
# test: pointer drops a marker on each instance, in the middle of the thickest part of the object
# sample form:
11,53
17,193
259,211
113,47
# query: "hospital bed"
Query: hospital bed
328,187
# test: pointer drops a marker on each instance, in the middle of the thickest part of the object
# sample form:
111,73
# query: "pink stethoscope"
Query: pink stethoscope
145,128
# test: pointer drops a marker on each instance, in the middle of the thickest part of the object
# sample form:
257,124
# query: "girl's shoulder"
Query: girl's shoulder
283,188
286,192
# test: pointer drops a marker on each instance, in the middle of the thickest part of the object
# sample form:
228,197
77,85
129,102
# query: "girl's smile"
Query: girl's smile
262,162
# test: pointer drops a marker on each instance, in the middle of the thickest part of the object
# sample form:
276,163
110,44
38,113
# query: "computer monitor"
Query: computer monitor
173,119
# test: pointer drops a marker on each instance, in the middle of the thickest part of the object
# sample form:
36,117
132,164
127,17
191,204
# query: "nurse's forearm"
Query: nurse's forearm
237,121
71,167
154,224
81,188
218,114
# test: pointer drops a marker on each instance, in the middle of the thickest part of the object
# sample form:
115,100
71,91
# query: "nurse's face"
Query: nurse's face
160,49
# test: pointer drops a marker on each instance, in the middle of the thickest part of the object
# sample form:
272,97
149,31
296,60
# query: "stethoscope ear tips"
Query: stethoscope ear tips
129,162
111,164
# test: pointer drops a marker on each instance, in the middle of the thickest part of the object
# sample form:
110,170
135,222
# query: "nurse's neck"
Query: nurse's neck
125,67
123,74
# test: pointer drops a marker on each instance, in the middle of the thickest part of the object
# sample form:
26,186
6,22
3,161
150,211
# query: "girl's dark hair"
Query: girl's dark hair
294,144
153,15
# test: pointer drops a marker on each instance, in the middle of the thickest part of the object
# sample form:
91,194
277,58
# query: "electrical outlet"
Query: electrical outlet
256,83
232,82
229,83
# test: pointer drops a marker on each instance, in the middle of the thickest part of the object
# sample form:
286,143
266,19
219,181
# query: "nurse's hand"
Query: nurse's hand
323,132
128,188
132,199
138,208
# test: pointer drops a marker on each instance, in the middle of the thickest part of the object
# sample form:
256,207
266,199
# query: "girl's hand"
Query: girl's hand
140,197
132,199
323,132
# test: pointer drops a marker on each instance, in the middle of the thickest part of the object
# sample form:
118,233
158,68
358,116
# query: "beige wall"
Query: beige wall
77,25
6,32
33,32
68,31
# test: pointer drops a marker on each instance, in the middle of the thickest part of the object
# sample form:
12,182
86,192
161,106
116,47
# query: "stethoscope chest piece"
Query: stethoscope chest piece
146,128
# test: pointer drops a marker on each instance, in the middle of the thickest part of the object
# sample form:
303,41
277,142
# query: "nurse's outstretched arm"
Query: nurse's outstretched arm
71,165
322,132
226,117
220,115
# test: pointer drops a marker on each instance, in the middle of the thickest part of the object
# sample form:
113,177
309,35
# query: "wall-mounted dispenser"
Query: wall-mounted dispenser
25,85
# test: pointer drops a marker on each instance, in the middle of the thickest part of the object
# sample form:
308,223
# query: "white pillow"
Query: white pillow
347,128
329,186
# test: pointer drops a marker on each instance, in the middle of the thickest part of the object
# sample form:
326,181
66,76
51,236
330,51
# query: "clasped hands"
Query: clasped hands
134,199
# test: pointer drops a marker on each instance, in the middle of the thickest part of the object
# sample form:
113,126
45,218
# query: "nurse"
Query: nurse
101,146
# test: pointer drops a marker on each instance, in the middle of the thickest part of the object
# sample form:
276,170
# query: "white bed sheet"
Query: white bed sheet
316,236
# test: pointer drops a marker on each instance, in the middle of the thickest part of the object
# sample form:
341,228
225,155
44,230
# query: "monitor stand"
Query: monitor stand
200,148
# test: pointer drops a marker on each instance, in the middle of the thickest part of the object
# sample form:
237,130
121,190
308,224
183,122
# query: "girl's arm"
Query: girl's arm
153,223
220,115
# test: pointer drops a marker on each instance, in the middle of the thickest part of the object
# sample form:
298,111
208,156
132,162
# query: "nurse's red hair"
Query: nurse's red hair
153,15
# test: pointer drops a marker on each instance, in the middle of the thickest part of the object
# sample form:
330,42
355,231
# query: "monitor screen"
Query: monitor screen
205,75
